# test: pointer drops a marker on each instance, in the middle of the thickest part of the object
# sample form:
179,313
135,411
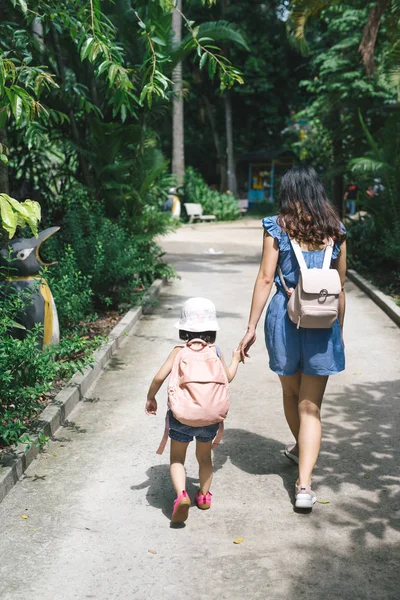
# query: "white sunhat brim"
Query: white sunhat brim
197,326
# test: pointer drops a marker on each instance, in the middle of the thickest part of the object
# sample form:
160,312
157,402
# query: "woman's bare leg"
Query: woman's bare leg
177,465
312,389
203,455
291,391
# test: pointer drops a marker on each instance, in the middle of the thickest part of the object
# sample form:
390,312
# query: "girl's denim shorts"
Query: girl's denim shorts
185,433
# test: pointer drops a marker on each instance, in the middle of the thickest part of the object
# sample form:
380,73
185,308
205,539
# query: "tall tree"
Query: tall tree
231,166
339,89
303,10
178,141
271,69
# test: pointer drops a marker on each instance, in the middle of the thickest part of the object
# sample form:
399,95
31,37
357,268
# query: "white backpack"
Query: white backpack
314,302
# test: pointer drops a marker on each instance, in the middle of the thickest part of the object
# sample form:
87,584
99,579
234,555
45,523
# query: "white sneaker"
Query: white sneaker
288,453
305,497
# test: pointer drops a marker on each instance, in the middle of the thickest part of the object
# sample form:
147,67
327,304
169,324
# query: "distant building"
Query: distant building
259,174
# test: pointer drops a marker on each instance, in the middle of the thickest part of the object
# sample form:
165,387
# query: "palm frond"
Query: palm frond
222,31
374,146
368,165
213,31
300,12
395,6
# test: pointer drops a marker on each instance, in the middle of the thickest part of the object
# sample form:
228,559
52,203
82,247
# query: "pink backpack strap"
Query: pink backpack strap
164,440
219,435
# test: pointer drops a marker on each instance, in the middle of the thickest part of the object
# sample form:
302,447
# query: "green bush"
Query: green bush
27,373
118,263
223,206
71,290
375,252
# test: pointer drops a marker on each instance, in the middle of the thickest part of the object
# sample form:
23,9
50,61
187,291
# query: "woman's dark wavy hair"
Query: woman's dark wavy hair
304,210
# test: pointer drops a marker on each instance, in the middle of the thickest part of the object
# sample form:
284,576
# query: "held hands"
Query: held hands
246,344
151,406
236,356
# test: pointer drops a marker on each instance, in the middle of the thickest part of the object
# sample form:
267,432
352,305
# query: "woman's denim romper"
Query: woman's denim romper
312,351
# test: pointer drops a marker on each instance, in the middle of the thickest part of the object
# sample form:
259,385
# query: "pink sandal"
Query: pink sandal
180,511
203,501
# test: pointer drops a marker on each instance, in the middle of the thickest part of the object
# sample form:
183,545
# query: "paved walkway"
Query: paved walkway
98,500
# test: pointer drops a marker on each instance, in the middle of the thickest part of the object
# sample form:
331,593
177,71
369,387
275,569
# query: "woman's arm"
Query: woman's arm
340,264
159,378
262,289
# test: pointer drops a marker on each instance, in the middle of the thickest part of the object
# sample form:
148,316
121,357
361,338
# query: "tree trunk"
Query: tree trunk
217,142
337,159
4,185
231,171
178,149
37,30
371,29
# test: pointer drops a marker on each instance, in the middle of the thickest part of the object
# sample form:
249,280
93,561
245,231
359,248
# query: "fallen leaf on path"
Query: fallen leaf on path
238,540
152,551
367,476
324,501
25,517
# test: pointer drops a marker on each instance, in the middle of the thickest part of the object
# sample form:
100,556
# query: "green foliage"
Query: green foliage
223,206
117,262
71,290
375,252
383,160
203,38
271,70
375,242
15,214
26,374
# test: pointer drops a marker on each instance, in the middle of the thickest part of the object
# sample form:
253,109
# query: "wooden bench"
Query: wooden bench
243,206
195,211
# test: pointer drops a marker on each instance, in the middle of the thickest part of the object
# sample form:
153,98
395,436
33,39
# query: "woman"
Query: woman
303,358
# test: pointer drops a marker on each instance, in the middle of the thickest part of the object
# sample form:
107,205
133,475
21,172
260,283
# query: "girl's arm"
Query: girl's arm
233,367
340,265
159,378
262,289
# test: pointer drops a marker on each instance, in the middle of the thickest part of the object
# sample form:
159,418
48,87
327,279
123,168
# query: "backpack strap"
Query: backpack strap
283,282
328,254
196,341
299,254
302,263
164,440
219,435
218,351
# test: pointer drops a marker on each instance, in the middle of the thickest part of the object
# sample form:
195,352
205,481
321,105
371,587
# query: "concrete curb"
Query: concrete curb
381,299
13,465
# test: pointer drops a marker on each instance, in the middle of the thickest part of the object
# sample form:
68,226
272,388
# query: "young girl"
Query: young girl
198,321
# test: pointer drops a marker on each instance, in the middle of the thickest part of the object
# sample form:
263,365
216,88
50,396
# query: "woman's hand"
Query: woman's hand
246,344
151,406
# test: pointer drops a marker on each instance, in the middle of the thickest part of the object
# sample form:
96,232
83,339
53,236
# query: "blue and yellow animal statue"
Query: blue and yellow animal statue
20,270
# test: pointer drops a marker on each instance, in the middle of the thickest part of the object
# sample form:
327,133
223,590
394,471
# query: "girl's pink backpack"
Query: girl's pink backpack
198,388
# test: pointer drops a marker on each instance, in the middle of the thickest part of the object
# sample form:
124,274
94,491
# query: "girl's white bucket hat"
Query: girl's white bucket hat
198,314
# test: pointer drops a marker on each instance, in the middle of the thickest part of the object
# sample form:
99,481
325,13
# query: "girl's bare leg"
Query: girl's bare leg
291,390
177,465
203,455
312,389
